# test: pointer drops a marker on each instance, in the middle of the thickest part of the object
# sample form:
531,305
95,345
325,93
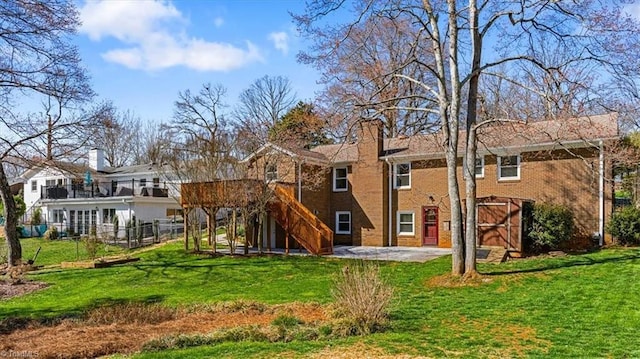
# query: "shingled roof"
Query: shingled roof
498,137
501,136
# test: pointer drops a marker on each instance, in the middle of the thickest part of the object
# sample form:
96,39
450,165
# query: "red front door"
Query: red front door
430,226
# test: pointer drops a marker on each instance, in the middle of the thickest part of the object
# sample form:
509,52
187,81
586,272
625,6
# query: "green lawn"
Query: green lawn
55,252
574,306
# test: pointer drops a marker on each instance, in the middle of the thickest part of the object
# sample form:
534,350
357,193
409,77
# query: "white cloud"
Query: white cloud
218,21
155,39
280,41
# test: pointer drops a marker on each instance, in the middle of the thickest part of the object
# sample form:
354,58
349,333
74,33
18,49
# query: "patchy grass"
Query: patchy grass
63,250
574,306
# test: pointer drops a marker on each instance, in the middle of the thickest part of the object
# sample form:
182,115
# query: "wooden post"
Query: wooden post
207,211
213,237
286,243
186,228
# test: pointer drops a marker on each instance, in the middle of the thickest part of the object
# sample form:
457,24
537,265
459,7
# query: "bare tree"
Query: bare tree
365,75
152,144
117,136
200,146
589,34
37,57
260,107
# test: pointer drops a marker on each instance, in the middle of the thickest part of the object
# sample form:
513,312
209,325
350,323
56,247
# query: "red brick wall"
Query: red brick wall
555,177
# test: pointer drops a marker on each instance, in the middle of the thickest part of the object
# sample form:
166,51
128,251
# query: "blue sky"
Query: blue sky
141,53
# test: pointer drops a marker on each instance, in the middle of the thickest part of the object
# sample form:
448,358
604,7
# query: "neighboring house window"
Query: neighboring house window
479,169
509,167
34,186
57,215
108,214
271,172
343,222
50,183
340,183
114,187
156,182
405,223
403,175
143,182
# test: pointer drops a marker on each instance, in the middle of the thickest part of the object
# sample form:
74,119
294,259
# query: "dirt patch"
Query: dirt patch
360,350
451,281
78,339
515,340
17,287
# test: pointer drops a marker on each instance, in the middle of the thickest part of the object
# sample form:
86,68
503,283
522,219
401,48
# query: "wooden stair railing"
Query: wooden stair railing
298,221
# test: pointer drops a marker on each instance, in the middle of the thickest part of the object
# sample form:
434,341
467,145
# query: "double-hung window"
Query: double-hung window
479,167
340,183
402,178
343,222
271,172
34,186
406,223
509,167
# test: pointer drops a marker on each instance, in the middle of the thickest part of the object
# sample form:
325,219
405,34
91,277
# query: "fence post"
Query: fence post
156,231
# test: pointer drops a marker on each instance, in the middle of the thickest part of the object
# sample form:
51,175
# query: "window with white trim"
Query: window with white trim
271,172
108,214
343,222
509,167
57,216
143,182
402,178
340,183
34,186
479,167
405,223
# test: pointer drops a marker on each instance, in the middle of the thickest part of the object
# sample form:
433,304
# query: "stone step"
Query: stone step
491,254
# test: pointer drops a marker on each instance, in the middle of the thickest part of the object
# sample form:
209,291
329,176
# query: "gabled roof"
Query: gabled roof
295,152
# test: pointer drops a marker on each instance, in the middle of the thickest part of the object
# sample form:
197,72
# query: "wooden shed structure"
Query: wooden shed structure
503,222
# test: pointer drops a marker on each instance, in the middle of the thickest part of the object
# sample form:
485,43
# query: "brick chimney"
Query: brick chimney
96,159
370,139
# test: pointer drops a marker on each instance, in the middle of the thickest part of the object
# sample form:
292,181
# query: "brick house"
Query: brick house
393,191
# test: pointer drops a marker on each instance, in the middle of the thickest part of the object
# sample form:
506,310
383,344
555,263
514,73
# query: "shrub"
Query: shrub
362,299
625,225
552,226
131,313
286,321
36,216
91,243
51,234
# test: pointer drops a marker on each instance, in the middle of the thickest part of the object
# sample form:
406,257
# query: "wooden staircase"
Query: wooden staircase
296,219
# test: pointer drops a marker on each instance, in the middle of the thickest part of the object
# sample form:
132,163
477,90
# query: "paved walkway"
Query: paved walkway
401,254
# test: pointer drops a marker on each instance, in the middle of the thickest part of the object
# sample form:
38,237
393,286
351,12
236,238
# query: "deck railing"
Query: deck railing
103,189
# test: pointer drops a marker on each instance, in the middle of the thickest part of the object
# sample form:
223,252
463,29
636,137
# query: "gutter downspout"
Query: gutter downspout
390,198
601,194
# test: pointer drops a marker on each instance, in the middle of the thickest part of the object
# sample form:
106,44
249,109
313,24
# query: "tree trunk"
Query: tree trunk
259,236
14,248
246,219
470,220
471,143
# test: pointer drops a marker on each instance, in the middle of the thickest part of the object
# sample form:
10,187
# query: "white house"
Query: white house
75,197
